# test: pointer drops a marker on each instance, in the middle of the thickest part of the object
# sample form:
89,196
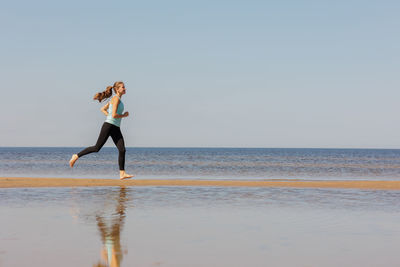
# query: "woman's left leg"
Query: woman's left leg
118,139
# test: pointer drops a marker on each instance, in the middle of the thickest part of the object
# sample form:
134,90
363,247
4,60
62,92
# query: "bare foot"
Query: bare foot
125,176
74,158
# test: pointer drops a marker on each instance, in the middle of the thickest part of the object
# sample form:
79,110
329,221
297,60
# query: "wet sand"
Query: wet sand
27,182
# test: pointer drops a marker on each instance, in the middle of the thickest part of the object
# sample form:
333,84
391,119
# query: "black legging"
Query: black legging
107,130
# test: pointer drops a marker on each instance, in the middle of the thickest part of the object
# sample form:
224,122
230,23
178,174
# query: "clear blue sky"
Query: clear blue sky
203,73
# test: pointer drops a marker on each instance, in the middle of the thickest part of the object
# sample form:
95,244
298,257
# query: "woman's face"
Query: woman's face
121,89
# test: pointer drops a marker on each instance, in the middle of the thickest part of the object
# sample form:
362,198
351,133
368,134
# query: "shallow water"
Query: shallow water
199,226
206,163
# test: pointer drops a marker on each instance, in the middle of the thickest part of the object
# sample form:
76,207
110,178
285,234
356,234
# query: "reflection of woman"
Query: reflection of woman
111,127
110,233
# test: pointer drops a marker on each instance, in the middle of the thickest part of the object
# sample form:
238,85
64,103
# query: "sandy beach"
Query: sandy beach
17,182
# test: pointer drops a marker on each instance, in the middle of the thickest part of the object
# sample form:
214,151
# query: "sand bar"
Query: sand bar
27,182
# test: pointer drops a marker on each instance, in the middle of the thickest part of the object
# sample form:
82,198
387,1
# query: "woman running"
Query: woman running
111,127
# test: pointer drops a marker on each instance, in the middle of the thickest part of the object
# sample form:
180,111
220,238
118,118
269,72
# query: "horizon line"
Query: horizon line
211,147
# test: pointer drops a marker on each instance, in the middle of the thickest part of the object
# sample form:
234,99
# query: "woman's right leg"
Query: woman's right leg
104,134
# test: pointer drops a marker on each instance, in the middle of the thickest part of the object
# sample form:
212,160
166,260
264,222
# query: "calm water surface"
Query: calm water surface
199,226
206,163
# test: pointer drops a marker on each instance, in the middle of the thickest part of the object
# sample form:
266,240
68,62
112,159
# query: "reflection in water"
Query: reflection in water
199,226
110,227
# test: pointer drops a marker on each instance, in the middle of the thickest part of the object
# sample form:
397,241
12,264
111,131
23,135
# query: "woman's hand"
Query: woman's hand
126,114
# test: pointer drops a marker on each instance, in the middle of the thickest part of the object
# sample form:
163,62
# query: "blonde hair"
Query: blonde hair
107,93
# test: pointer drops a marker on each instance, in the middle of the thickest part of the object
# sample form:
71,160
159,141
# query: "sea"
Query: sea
200,226
205,163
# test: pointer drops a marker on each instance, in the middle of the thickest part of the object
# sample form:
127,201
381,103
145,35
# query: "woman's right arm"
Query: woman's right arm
115,101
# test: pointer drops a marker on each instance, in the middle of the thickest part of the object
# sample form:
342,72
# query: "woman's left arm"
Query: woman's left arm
104,108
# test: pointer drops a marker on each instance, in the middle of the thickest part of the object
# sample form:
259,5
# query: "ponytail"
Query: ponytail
104,95
107,93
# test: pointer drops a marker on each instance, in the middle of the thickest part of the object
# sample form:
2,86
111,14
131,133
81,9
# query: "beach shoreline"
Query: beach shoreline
30,182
